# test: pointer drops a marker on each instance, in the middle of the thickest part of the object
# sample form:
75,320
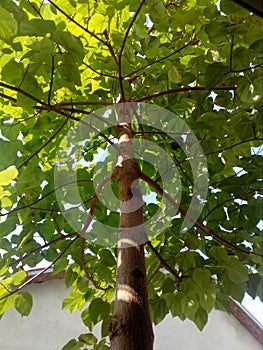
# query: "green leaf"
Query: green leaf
85,316
207,288
214,72
101,345
98,310
24,303
106,326
73,344
168,285
37,27
232,8
159,309
70,277
74,301
12,72
201,318
189,304
222,302
8,25
31,86
237,291
107,258
219,253
47,230
7,303
60,265
8,226
174,303
98,23
69,71
72,44
253,284
174,75
88,339
18,277
237,271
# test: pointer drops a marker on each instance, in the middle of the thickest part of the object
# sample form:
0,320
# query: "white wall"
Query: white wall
49,328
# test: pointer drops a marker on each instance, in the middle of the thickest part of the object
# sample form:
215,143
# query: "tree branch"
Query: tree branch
29,281
71,19
199,224
154,273
182,89
163,262
231,199
235,145
85,269
84,103
260,65
92,114
8,97
42,198
46,245
129,29
94,202
44,144
100,73
123,98
69,116
51,79
20,91
157,61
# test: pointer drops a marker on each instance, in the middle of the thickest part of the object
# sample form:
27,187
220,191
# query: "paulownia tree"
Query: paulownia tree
157,104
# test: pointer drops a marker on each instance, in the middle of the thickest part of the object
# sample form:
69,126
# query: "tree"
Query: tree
154,101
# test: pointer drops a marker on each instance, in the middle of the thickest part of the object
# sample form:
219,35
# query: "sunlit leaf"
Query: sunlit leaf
6,176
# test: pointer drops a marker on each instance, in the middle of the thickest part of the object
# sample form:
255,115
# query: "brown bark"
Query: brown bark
131,327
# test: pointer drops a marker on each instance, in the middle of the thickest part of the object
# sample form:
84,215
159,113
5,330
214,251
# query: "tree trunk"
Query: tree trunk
131,327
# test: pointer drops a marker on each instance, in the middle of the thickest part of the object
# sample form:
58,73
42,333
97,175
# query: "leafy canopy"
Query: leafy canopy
61,60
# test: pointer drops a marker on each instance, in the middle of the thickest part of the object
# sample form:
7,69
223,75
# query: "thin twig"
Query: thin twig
85,269
42,197
71,19
51,78
44,144
100,73
154,273
8,97
29,281
19,90
92,114
231,199
94,202
46,245
158,60
182,89
71,117
84,103
122,48
163,261
199,224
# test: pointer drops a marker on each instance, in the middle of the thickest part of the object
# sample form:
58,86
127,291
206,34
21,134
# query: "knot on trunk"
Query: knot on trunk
136,273
116,326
